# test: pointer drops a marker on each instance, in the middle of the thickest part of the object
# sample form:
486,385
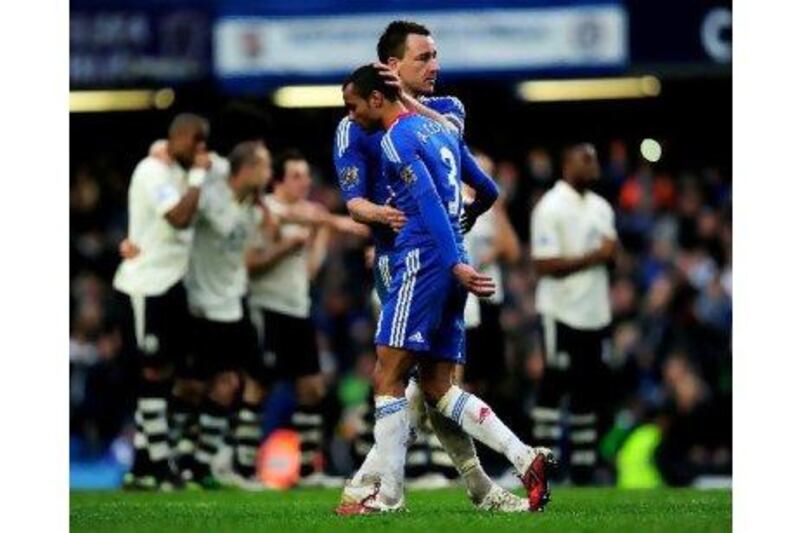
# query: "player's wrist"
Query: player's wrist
197,176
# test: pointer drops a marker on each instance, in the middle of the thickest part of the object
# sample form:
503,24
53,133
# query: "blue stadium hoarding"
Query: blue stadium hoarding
256,45
125,43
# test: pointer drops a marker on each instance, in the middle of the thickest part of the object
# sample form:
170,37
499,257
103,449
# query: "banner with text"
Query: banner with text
516,40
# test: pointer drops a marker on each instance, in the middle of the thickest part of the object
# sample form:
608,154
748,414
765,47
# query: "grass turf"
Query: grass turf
440,511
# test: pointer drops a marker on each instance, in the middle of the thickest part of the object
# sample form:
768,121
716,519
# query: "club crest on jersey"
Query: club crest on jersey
408,176
349,177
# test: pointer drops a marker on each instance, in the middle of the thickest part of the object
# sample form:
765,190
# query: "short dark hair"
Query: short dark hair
366,79
571,148
244,153
279,170
185,121
392,42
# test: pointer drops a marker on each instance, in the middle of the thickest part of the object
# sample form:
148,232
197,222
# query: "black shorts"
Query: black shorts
160,326
573,364
219,347
486,347
287,347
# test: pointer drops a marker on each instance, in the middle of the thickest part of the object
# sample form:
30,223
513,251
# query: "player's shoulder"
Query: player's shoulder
399,137
349,136
444,104
151,167
598,202
550,203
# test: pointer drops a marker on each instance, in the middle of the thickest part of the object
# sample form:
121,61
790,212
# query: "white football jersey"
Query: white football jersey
479,241
285,287
568,224
156,187
217,277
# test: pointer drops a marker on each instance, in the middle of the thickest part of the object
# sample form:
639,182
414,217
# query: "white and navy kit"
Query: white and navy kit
280,308
216,282
485,336
152,281
575,313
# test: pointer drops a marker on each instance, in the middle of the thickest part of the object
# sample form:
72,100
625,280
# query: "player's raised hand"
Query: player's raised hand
202,159
390,76
392,217
478,284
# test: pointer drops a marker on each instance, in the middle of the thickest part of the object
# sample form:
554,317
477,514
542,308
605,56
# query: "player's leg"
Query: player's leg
478,420
588,377
546,416
220,344
391,418
297,357
159,328
186,399
256,375
246,430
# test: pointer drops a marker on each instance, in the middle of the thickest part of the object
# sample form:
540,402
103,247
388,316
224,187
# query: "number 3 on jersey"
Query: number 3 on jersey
453,206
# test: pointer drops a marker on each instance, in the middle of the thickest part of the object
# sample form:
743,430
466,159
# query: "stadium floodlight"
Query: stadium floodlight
124,100
650,150
297,96
589,89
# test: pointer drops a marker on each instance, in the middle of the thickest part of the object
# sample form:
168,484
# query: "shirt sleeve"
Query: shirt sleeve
544,234
451,108
417,178
161,189
349,160
486,192
215,208
607,223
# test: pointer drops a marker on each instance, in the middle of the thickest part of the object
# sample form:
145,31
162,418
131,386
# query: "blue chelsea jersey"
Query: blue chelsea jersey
361,173
423,158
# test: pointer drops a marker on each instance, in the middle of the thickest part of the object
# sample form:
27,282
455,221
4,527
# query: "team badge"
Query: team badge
408,176
349,177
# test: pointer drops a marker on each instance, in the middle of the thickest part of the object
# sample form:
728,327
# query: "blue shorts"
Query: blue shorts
424,308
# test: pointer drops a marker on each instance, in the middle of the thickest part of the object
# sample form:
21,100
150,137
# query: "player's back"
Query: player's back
414,136
217,277
155,188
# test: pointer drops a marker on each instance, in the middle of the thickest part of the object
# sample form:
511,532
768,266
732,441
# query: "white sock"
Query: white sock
416,412
370,466
478,420
391,439
461,449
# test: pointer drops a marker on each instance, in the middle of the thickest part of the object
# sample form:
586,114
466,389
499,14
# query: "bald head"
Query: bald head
187,137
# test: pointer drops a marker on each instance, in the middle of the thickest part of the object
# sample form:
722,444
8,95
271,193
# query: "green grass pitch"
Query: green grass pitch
439,511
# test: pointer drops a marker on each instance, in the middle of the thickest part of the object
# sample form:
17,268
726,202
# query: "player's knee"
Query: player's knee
434,389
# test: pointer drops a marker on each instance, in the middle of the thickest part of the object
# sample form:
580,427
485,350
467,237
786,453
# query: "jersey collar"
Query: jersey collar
402,115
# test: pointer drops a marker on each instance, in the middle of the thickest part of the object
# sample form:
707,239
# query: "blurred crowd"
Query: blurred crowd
669,363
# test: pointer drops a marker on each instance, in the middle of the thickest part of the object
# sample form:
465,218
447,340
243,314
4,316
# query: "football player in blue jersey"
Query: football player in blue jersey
410,53
422,320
